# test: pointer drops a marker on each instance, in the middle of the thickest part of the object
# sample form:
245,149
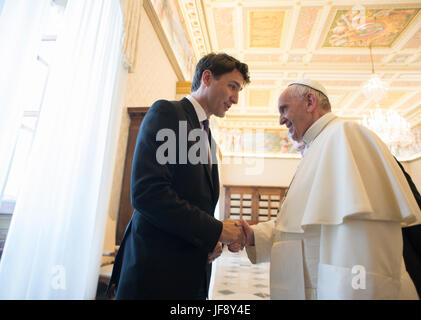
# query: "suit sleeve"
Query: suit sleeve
152,190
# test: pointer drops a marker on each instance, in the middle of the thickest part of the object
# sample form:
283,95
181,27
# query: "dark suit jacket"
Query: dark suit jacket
412,240
163,254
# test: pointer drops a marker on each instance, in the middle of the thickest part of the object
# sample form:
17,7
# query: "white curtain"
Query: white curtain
53,249
20,33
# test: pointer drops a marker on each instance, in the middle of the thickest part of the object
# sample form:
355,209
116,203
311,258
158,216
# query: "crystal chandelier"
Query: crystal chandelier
388,125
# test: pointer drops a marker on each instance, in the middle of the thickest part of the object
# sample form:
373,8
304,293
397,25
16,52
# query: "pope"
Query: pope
338,231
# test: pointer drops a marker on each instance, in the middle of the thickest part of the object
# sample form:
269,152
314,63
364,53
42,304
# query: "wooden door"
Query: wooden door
126,210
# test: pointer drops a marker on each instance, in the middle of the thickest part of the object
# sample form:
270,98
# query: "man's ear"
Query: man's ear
207,77
312,102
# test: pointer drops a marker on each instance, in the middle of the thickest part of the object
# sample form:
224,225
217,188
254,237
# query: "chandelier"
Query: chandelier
389,126
393,129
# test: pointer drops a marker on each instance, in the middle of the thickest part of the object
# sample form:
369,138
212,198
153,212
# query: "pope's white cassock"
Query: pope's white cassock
338,233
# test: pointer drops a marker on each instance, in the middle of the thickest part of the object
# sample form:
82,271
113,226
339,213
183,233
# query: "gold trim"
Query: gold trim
150,11
203,16
183,87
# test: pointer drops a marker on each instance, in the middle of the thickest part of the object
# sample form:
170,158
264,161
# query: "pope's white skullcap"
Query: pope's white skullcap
311,84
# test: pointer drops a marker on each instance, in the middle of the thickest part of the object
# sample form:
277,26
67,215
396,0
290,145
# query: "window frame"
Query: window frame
7,205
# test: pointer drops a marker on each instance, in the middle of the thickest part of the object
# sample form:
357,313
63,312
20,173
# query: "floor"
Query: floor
233,278
236,278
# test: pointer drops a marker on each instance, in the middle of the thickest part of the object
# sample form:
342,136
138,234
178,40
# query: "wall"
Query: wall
153,78
254,172
257,171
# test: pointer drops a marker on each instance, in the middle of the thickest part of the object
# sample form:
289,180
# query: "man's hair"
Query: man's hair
300,91
218,64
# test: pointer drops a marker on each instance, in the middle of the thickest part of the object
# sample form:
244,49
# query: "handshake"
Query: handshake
236,234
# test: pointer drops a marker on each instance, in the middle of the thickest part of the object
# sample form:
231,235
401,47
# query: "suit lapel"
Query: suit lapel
194,122
190,113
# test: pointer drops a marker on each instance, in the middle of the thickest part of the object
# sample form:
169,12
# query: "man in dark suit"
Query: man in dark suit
173,236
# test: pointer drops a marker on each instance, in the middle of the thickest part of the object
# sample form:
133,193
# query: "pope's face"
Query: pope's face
293,114
223,92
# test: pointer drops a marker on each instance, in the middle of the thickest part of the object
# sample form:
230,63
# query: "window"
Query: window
38,78
1,5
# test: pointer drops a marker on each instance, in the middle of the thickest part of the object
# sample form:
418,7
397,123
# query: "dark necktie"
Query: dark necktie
206,128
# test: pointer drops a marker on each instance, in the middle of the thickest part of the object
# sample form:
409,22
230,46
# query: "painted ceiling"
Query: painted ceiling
328,41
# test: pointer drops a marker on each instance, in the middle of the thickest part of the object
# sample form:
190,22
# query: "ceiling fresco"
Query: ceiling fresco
282,40
359,28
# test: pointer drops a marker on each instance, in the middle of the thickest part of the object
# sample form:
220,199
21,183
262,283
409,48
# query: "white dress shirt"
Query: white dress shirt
201,115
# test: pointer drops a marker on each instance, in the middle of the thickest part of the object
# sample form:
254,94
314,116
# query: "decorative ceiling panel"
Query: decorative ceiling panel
400,59
336,99
413,112
411,84
296,58
358,28
284,40
392,98
262,57
349,58
259,97
264,83
265,28
415,41
223,18
414,101
360,101
307,17
341,83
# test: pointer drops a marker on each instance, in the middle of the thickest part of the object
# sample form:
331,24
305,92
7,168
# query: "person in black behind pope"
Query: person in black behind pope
412,240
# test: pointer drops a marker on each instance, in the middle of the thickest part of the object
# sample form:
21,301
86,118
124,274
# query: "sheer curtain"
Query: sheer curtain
53,249
21,40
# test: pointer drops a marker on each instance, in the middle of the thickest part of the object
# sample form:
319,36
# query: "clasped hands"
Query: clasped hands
236,234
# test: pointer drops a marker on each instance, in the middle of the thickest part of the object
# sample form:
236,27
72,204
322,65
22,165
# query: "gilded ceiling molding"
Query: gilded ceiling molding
132,11
195,22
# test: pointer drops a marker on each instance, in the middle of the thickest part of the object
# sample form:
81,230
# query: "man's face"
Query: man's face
223,92
293,114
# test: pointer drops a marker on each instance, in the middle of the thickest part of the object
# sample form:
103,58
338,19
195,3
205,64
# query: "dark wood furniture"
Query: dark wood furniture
126,210
252,203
